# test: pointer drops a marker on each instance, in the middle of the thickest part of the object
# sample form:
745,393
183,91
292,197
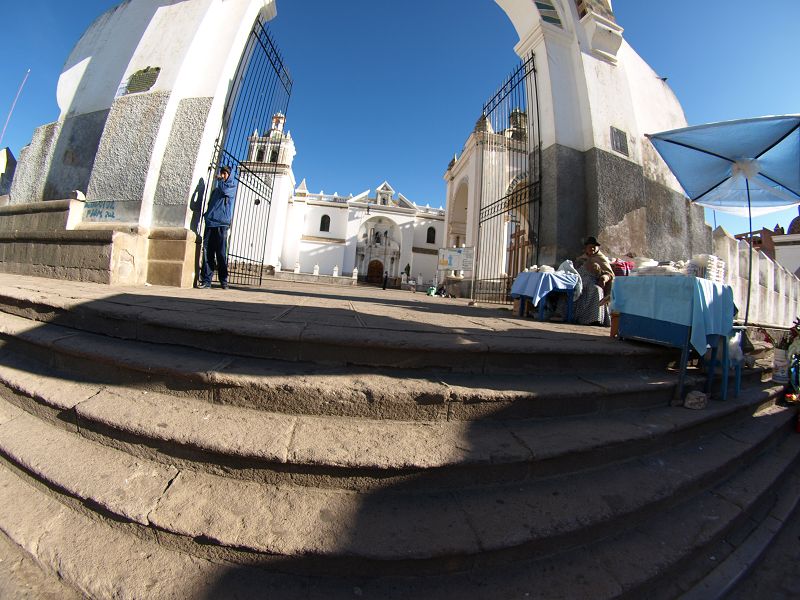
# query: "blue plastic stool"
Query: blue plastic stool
570,297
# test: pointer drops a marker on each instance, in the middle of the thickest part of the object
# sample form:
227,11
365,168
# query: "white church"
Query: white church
372,234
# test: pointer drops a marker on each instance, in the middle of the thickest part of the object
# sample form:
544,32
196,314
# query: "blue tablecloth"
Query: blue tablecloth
535,285
706,307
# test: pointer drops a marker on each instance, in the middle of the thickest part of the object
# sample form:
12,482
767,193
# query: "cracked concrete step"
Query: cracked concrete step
312,389
477,350
95,557
357,453
386,528
746,556
21,578
758,501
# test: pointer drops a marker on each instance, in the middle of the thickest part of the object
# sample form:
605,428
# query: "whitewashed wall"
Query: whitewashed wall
775,293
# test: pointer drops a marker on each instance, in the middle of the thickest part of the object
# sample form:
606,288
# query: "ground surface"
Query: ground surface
303,309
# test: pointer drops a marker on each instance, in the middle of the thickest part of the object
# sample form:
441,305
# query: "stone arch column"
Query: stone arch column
156,145
597,100
142,97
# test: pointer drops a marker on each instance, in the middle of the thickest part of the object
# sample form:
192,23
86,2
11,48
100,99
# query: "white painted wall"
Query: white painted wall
326,256
313,218
421,233
775,291
279,214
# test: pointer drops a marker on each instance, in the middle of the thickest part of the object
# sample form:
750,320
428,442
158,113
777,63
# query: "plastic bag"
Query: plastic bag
735,354
568,267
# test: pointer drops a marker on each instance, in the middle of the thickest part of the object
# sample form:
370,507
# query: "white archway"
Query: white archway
379,240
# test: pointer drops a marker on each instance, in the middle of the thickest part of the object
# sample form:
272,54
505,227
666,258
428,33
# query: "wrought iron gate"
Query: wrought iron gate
509,143
250,142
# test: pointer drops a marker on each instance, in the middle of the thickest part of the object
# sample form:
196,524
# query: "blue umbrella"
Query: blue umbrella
745,167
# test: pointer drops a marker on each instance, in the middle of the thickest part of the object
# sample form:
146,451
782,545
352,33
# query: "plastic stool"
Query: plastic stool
570,302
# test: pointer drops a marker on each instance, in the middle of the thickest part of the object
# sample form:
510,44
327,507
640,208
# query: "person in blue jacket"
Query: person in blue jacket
215,237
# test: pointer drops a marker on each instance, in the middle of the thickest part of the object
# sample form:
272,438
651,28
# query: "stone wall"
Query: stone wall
34,160
41,239
775,292
117,178
73,155
176,191
615,201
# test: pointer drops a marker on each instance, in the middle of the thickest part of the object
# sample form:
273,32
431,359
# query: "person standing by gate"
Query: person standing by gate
215,237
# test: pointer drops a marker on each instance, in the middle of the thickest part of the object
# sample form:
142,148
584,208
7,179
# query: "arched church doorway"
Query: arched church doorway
375,272
457,225
379,241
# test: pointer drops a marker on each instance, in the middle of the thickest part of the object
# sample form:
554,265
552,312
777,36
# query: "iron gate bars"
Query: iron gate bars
509,146
251,143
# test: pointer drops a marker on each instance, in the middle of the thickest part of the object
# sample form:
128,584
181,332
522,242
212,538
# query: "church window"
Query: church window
274,156
260,155
619,141
548,12
431,235
325,223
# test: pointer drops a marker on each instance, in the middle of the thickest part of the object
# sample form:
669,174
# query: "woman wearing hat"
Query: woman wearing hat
596,274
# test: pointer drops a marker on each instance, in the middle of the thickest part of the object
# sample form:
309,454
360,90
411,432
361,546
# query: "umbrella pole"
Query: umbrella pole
750,266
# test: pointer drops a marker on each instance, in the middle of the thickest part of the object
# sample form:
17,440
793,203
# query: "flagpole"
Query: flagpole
750,266
13,105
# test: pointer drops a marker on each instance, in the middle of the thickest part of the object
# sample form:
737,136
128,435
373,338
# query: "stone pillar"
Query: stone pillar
142,97
597,100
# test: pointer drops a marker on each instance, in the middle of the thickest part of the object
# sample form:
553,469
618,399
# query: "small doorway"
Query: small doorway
375,272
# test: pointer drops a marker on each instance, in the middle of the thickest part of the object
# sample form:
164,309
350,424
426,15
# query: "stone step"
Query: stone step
302,388
356,453
324,335
401,528
21,578
95,556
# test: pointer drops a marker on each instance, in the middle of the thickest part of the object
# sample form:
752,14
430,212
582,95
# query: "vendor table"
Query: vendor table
676,311
535,285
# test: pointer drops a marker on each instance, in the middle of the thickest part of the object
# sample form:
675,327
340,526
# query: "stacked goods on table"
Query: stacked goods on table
648,266
705,266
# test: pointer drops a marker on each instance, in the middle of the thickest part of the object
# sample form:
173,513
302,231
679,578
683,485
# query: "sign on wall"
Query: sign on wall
456,259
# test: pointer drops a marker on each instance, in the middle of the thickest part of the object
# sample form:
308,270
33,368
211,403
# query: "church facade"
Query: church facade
373,234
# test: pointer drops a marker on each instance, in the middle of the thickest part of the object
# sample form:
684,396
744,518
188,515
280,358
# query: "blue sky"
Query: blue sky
388,90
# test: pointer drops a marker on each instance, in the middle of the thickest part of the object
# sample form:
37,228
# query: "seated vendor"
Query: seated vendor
594,268
597,263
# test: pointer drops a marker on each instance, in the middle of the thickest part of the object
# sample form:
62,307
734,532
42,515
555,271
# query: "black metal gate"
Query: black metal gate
509,143
251,143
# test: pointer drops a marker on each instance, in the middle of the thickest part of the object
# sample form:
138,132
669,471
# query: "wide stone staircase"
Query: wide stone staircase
154,454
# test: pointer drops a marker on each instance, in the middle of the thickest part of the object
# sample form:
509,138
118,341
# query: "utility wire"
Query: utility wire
13,105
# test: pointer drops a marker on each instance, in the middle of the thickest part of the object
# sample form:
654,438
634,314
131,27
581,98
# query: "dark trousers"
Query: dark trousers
215,254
